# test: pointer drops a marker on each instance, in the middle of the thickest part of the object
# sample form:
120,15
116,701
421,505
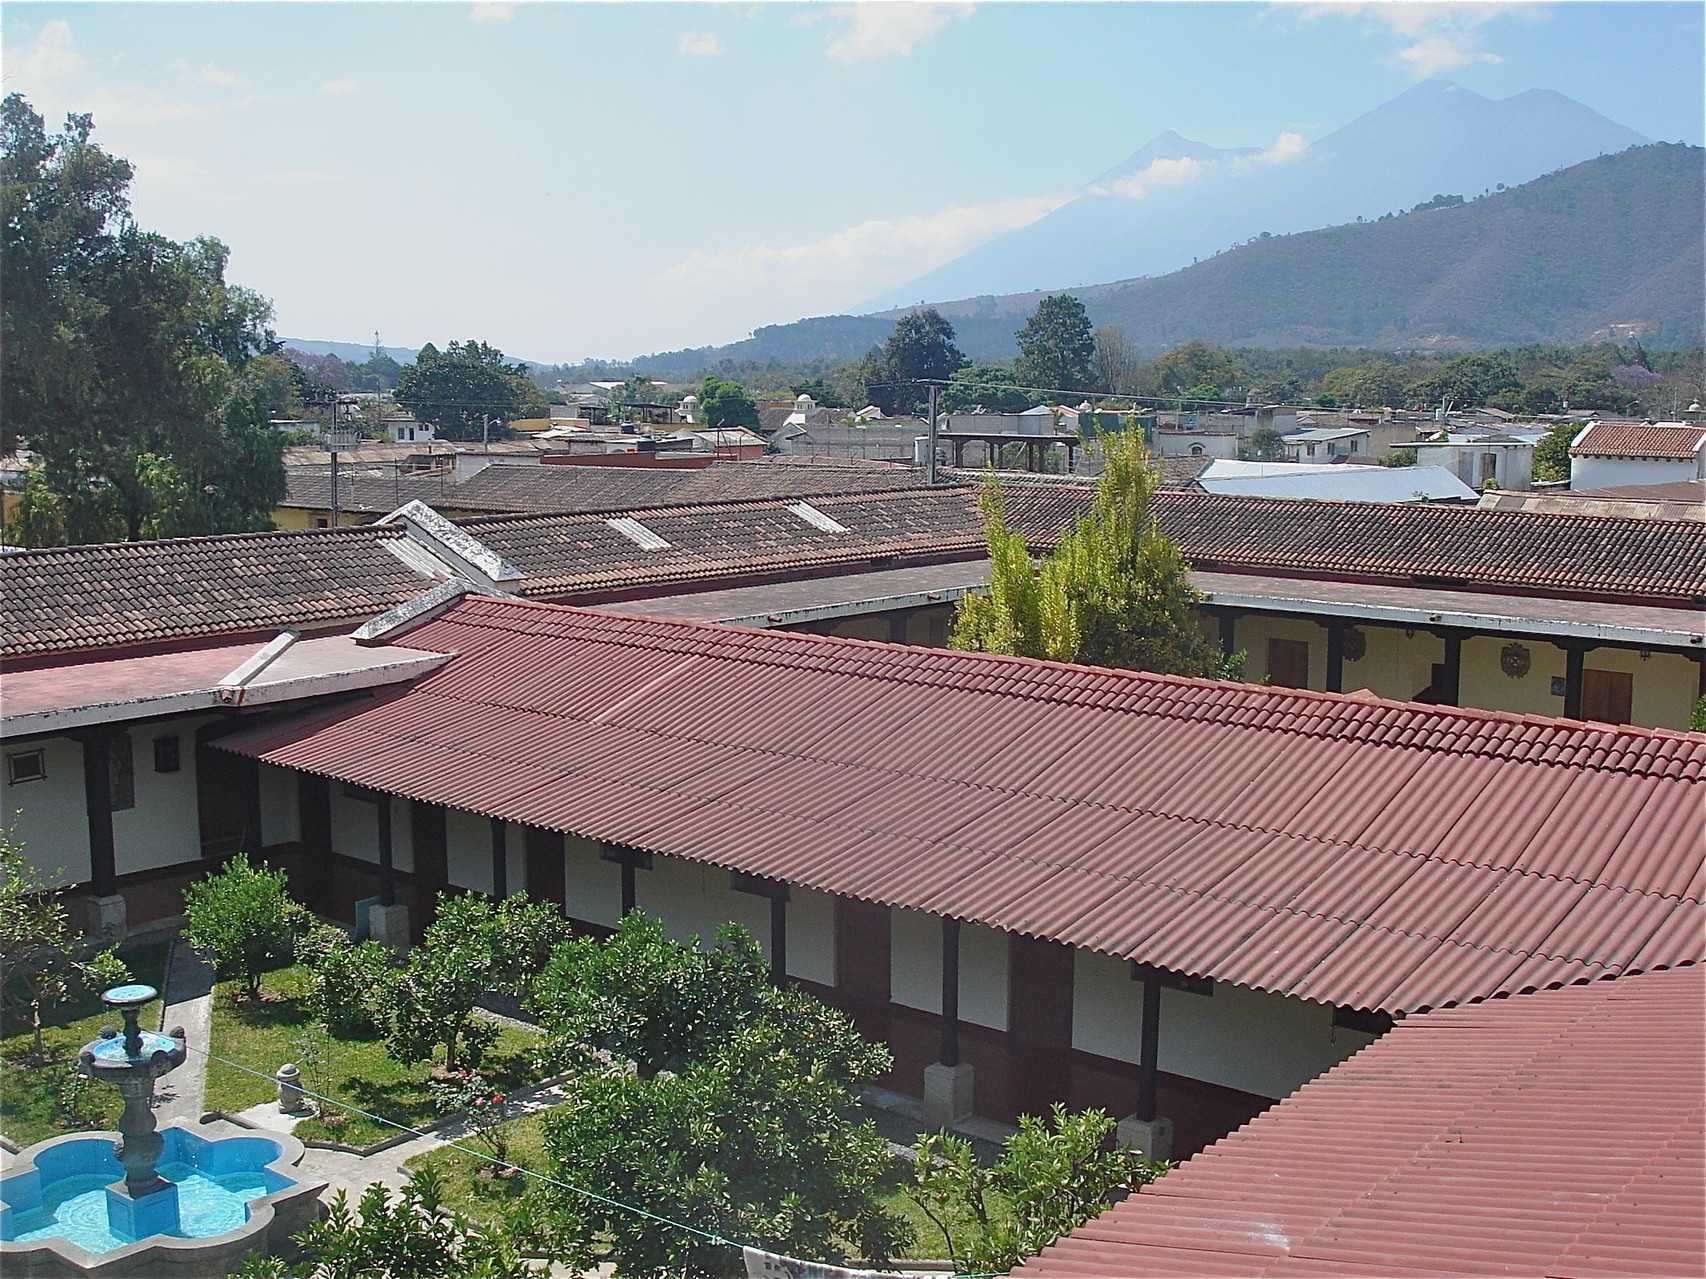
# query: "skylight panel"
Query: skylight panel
639,534
816,518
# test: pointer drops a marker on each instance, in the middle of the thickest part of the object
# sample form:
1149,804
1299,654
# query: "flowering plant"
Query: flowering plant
485,1112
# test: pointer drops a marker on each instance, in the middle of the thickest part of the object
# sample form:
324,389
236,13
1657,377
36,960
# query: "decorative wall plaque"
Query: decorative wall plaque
1356,644
1514,660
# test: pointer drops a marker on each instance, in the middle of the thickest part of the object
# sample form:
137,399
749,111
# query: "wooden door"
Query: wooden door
1039,1023
1288,663
1606,696
546,878
862,962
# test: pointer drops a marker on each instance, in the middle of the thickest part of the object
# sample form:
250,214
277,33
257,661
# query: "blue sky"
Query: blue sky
609,179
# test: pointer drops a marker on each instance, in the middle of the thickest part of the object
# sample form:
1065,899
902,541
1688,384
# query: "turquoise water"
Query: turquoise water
75,1208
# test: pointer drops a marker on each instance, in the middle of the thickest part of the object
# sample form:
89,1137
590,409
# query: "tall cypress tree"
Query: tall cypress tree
1116,591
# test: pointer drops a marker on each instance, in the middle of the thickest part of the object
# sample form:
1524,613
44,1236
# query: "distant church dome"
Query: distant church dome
690,408
805,404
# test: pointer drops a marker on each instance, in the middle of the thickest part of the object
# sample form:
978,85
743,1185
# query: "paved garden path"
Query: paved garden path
187,1001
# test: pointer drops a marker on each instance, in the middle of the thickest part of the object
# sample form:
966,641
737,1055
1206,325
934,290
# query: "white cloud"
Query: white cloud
1288,146
876,28
849,265
338,88
1159,173
703,43
491,13
50,57
211,74
1440,36
1172,173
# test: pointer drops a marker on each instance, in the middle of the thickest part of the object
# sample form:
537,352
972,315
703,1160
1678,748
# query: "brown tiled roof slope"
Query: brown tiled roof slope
572,555
1444,1148
364,490
82,598
568,489
1621,439
1407,542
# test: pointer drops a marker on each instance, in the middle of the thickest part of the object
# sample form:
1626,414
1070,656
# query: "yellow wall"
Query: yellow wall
297,517
1399,666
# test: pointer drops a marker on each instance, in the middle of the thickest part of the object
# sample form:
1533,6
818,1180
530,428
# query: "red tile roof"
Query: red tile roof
1340,848
1555,1134
1627,439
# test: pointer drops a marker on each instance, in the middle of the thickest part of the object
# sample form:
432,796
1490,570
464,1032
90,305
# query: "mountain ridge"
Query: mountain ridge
1435,137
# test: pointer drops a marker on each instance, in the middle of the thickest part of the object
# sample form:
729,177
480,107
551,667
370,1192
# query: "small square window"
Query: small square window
26,766
166,758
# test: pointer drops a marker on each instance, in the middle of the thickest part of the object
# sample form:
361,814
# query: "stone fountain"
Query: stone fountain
152,1202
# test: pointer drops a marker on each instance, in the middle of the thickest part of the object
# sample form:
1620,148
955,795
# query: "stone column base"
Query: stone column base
110,918
947,1094
1152,1138
389,925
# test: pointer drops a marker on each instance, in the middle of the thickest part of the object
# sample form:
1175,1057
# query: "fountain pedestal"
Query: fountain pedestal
144,1203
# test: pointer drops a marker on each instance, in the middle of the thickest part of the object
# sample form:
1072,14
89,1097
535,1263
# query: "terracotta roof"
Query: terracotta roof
552,488
73,599
1201,826
1621,439
1553,1134
366,490
1409,542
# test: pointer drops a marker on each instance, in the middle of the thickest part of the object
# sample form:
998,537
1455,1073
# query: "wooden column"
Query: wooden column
779,937
1149,1049
500,858
1336,656
314,822
387,872
950,1051
1228,632
545,875
98,807
1575,662
432,861
1448,693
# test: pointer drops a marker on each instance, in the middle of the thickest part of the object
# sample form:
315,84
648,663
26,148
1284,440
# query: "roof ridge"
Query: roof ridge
708,506
343,530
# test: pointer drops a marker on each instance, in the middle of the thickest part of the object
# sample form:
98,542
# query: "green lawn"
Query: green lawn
31,1093
482,1199
356,1070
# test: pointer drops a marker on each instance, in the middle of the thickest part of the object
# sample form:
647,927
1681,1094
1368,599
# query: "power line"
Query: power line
1158,401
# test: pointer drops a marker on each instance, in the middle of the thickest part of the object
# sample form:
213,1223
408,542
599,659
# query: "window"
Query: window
166,757
1197,450
121,771
1288,663
26,766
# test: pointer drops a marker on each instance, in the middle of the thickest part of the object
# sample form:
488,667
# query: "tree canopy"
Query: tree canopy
1114,593
465,387
1056,346
125,356
1194,366
920,347
984,385
714,1098
723,403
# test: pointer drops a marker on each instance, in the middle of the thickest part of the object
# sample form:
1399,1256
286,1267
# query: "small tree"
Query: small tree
243,917
1054,1174
474,947
38,953
722,1102
1116,591
348,985
485,1111
402,1234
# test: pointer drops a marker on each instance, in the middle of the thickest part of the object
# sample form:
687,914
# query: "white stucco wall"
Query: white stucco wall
1259,1043
1610,472
594,885
983,976
164,828
915,960
47,816
468,849
281,813
695,899
355,830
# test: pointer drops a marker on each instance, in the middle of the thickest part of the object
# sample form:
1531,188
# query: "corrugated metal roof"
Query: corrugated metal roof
1340,848
1556,1134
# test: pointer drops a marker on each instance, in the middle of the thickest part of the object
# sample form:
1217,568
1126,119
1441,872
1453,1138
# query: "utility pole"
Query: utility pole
930,471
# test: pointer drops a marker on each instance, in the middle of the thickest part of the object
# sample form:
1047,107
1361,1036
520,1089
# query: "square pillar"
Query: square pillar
389,925
1152,1138
947,1094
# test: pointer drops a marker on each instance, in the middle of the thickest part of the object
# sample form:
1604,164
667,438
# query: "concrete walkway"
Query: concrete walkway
187,1001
